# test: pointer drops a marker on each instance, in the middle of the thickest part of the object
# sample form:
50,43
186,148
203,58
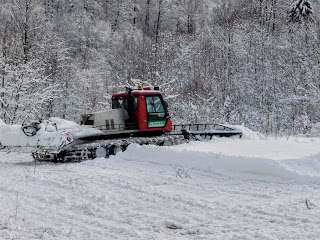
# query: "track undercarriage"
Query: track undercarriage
102,148
90,149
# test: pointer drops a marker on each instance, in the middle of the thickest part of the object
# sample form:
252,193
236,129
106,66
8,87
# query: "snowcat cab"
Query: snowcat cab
141,111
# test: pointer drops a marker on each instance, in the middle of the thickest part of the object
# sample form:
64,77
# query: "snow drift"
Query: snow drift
248,133
275,158
315,130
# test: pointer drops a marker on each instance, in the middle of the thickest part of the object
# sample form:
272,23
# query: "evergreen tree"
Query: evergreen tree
300,9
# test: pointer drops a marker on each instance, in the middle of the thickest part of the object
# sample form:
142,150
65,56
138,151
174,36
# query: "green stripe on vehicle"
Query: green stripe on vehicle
157,123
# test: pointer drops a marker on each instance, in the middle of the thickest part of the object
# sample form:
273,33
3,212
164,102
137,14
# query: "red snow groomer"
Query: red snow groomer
137,116
139,112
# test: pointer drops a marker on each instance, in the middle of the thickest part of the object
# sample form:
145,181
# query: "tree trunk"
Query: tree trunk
135,10
115,25
158,20
26,41
146,24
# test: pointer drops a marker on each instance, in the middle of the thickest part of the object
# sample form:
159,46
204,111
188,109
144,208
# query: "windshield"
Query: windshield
155,107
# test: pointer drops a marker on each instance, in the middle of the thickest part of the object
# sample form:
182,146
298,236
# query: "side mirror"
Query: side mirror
165,105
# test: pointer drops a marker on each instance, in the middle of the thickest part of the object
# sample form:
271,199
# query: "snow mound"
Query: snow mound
2,124
63,124
13,136
47,136
248,133
315,130
77,131
276,149
188,156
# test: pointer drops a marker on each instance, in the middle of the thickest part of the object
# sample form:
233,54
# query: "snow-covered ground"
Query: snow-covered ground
222,189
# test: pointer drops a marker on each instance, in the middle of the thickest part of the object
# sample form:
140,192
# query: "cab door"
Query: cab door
156,113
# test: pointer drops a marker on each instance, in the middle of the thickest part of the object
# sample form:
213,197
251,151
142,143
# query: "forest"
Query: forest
251,62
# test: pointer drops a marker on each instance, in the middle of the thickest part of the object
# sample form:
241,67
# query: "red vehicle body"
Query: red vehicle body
146,108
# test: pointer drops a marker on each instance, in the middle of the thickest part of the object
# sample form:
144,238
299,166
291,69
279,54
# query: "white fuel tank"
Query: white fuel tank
113,119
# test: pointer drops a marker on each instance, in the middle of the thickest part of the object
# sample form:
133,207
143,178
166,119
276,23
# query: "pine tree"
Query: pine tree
300,9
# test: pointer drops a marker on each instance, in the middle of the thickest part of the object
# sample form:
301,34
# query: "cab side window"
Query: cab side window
119,103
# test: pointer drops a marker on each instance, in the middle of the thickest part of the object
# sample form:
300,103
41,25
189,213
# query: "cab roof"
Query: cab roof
137,93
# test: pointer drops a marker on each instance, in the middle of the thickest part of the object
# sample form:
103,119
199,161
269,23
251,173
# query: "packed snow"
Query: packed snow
77,131
249,188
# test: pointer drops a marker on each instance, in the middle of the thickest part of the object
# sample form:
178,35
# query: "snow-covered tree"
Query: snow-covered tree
236,60
299,10
25,92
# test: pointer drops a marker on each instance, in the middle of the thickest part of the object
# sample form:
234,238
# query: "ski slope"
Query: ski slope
250,188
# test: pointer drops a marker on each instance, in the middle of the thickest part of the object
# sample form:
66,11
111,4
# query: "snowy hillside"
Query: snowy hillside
223,189
236,61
